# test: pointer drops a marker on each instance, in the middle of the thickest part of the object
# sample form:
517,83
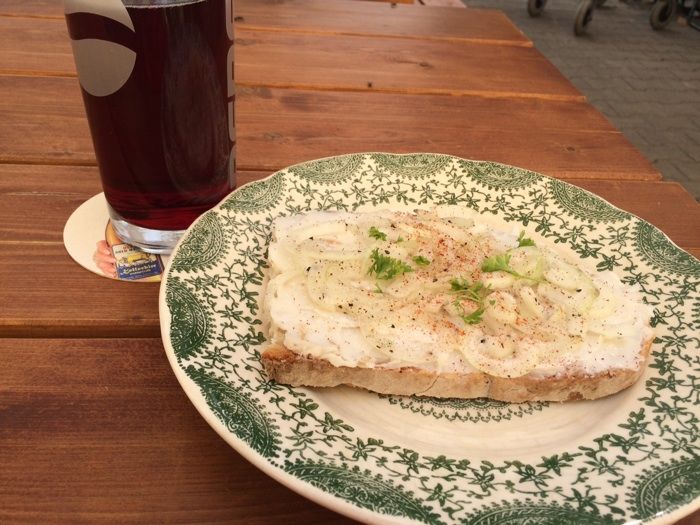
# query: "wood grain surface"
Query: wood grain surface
35,45
340,62
307,60
32,8
352,18
561,139
46,294
47,195
42,121
99,431
42,46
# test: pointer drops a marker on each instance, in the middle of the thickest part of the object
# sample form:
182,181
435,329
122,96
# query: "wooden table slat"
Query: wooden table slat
42,46
42,121
341,17
35,45
46,294
277,128
100,431
32,8
399,66
358,18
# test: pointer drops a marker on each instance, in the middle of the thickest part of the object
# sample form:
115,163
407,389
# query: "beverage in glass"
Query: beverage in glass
157,82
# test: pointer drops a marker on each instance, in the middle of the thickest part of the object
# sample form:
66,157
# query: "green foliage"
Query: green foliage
386,268
377,234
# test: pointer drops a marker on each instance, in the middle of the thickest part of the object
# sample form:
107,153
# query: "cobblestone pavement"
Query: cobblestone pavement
646,82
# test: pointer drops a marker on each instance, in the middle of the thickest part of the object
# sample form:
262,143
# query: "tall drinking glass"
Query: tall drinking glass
157,82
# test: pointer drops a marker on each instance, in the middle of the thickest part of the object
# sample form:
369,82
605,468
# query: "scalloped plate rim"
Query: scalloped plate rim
290,481
550,177
241,447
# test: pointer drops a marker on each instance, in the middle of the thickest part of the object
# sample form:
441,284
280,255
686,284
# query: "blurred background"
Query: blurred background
646,82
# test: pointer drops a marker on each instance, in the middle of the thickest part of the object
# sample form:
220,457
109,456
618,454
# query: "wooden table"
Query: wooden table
93,425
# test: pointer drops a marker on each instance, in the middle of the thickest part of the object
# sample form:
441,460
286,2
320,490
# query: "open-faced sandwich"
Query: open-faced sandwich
445,303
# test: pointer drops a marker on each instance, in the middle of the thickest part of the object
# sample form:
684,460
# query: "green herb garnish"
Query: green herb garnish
421,261
377,234
472,318
474,292
524,241
385,267
501,263
497,263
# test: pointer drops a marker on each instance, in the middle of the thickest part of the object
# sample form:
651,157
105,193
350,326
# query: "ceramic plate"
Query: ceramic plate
629,458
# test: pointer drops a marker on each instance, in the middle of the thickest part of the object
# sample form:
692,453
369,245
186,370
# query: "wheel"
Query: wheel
584,14
535,7
662,13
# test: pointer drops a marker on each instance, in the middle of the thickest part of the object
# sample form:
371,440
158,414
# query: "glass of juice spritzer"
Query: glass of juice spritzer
157,82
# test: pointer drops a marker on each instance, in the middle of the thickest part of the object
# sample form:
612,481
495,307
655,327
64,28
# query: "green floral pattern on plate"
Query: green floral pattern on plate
655,248
530,512
192,323
583,204
239,412
638,461
498,176
665,486
463,409
412,165
206,245
332,170
363,489
256,196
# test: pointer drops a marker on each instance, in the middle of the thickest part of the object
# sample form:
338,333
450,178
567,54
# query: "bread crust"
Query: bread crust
288,367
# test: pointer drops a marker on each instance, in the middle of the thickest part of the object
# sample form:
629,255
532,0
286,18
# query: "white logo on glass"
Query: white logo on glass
103,66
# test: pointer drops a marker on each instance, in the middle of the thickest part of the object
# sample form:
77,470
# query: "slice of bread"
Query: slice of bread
290,368
445,306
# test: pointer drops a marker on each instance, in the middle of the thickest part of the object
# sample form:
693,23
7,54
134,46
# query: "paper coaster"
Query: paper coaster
93,244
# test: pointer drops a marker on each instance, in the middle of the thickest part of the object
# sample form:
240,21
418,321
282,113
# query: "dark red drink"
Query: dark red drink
164,140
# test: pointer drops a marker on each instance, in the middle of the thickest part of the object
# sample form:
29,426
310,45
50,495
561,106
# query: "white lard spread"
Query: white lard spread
448,291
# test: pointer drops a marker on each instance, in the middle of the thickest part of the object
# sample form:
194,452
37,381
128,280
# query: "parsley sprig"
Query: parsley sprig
524,241
501,263
421,261
377,234
385,267
474,292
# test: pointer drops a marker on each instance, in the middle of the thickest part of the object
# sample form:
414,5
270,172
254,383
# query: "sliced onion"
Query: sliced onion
501,311
530,305
282,258
604,305
577,300
450,230
564,275
527,261
502,356
329,229
611,329
497,280
332,286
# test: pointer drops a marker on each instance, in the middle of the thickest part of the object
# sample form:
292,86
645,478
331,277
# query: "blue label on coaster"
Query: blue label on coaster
133,264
